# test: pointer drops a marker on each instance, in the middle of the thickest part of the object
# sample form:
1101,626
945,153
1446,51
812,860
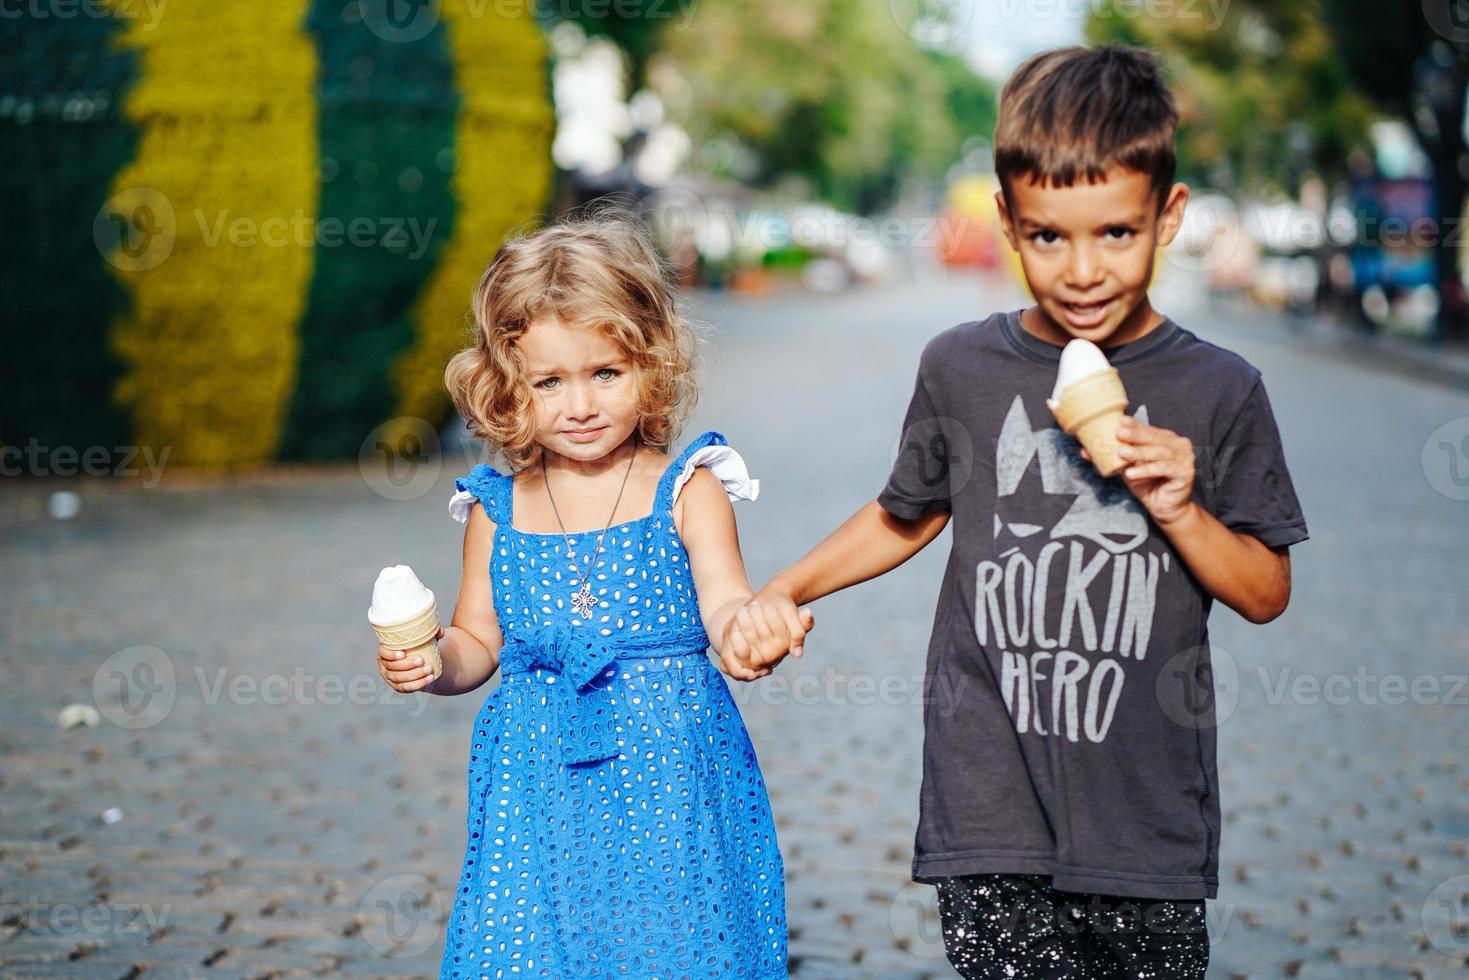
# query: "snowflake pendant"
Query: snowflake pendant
583,600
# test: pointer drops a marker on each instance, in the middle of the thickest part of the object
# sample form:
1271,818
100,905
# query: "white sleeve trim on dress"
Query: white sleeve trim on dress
727,465
461,505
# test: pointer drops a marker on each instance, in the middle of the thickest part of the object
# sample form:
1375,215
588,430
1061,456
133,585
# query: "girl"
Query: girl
618,822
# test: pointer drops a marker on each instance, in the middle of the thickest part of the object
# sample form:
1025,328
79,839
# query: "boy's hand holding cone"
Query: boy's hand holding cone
1159,469
1089,401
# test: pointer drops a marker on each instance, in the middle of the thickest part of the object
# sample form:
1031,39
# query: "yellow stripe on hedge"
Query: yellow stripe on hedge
226,110
501,179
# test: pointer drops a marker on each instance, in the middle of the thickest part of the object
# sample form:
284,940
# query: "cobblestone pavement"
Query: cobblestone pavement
255,803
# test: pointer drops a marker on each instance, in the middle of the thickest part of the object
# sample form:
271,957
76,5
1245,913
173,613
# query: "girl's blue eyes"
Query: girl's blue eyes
545,383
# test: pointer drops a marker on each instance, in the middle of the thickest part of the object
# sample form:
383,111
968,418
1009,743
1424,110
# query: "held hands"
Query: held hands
1160,468
403,675
762,633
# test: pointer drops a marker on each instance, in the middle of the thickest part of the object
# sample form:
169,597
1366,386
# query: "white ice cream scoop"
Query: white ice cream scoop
405,616
1079,358
1088,402
397,595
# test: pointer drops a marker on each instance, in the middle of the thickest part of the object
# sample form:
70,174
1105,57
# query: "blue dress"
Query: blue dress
618,822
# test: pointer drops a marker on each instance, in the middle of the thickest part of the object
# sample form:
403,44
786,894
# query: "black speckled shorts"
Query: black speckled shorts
1018,927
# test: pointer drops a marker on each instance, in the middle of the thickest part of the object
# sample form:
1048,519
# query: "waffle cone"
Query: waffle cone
1090,410
415,636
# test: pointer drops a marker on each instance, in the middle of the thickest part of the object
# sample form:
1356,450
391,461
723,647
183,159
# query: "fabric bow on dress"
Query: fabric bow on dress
580,658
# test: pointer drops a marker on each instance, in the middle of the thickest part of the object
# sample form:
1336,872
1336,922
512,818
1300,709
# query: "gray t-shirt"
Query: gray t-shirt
1069,701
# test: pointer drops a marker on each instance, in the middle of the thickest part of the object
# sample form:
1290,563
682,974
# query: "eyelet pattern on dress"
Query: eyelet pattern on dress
618,825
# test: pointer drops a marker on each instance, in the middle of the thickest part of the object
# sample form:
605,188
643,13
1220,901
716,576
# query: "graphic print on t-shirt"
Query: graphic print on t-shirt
1068,598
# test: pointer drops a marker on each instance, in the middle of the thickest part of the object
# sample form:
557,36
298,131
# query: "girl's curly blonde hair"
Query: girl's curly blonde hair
595,269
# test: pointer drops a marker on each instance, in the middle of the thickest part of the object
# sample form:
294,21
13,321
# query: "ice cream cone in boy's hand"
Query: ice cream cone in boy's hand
1088,402
405,616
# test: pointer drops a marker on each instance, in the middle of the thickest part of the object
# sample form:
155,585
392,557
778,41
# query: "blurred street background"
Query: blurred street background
243,238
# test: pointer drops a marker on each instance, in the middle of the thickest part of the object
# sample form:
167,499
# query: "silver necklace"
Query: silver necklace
582,598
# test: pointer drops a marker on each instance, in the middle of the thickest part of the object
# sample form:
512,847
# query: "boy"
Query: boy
1069,812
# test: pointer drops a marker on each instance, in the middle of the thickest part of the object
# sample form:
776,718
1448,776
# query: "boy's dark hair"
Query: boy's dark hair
1073,113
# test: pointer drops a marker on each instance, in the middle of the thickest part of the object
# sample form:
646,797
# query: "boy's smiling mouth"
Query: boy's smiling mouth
1084,315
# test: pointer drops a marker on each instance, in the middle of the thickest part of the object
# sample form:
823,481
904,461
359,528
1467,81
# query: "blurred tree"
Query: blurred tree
972,99
829,94
1264,95
635,26
1413,60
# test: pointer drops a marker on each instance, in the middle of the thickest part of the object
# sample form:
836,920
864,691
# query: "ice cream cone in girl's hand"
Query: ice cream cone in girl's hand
405,616
1088,402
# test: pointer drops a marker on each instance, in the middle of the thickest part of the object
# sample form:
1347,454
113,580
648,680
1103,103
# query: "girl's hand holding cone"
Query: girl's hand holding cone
403,673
